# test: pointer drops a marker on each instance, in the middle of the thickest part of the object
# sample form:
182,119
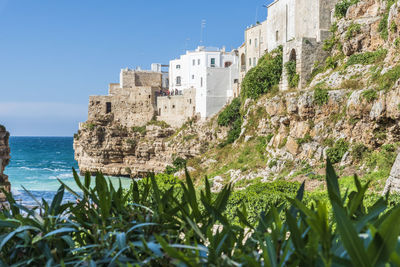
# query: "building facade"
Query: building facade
213,73
300,27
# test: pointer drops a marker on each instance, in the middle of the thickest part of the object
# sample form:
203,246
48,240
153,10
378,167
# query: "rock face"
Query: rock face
393,182
4,160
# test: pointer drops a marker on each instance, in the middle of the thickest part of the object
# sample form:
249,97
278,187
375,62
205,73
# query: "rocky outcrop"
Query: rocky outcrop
393,182
4,160
105,145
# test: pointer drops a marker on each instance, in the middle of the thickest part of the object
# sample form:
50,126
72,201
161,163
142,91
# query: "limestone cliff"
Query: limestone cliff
351,105
4,160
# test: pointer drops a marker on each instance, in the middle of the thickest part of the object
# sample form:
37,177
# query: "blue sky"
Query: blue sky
54,54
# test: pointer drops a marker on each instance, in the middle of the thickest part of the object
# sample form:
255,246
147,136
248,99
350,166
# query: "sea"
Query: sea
38,163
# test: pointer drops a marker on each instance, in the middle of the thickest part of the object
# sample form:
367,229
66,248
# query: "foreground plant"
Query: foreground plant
178,225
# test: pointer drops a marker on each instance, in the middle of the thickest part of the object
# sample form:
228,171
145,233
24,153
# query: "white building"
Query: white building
214,74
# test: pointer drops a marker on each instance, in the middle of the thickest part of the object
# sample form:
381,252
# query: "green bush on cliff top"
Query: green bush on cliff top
262,78
342,7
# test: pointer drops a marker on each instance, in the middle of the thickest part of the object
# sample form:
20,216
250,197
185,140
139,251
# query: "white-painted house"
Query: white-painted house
213,72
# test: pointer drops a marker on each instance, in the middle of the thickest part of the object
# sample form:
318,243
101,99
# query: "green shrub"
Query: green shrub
321,96
358,151
342,6
231,116
132,142
165,222
292,76
230,113
367,58
331,63
264,77
272,163
178,164
388,79
352,30
161,124
139,129
306,139
90,126
393,27
383,24
369,95
336,153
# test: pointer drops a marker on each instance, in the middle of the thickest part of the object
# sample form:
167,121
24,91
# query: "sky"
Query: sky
55,54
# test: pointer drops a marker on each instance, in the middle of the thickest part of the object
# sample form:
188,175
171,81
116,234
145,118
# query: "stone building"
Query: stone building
4,160
300,26
254,47
212,72
132,102
176,109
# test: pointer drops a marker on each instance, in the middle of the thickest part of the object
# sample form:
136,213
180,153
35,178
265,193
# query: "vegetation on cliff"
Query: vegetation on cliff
179,225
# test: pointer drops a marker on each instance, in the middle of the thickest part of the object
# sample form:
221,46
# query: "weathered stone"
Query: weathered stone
4,160
393,182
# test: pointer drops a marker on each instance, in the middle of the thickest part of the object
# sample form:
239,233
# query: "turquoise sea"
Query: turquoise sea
38,162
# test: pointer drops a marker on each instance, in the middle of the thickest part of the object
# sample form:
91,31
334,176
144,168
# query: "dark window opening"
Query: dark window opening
228,64
190,100
159,112
149,96
173,106
236,81
108,107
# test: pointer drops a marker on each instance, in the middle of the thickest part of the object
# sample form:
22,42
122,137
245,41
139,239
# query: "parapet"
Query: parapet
137,78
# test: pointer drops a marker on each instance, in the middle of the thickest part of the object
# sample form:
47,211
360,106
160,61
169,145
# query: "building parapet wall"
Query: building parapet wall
132,78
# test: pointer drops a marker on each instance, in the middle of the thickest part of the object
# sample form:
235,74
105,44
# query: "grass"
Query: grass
367,58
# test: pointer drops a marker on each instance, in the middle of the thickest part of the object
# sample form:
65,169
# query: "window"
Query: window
159,112
198,62
228,64
277,35
250,42
255,42
108,107
192,77
201,82
190,100
178,80
236,81
173,106
250,62
254,61
149,96
194,62
178,66
212,62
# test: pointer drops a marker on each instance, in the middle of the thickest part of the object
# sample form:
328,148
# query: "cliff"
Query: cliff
4,160
349,111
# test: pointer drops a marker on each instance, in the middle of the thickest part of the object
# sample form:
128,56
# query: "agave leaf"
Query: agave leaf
57,199
207,188
60,231
333,184
385,240
349,237
373,213
140,226
69,189
299,196
16,231
32,196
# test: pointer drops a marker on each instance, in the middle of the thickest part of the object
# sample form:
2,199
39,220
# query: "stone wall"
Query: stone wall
132,107
177,109
4,160
133,78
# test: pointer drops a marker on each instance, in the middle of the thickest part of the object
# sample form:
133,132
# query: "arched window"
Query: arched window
256,42
178,81
243,62
292,56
